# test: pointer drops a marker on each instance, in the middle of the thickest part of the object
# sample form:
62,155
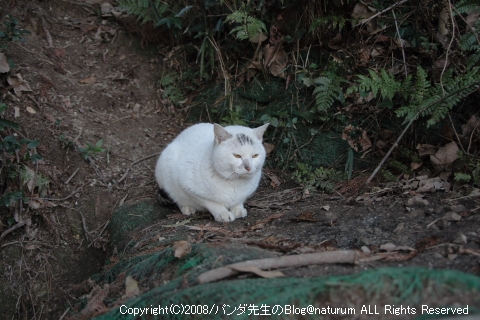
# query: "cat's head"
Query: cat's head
238,151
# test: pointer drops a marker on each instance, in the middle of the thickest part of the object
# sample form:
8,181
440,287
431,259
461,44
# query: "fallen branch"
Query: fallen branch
340,256
15,227
135,162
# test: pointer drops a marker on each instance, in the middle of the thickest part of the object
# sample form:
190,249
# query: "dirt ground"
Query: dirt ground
93,82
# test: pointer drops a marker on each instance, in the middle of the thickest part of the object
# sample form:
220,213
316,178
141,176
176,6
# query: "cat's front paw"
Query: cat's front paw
188,210
224,216
240,212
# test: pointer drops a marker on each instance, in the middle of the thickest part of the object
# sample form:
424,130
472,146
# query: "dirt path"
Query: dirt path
94,82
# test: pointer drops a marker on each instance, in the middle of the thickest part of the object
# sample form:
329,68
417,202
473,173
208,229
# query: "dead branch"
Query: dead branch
15,227
135,162
340,256
381,12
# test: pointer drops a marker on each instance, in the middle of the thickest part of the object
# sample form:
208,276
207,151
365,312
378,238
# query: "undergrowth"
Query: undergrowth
369,85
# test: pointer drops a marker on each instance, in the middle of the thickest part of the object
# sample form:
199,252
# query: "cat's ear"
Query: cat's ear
220,134
260,130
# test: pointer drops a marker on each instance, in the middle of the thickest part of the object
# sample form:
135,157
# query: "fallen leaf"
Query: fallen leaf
182,248
430,185
18,85
31,110
269,147
445,156
131,287
4,66
89,80
426,149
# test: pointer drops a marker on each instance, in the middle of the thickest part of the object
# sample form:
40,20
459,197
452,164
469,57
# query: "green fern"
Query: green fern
157,12
320,178
469,42
473,59
467,6
327,91
462,177
249,26
383,84
335,22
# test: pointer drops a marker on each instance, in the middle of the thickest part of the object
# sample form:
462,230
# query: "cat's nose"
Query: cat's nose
248,168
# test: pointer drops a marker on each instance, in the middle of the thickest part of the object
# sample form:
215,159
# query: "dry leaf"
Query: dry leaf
359,144
31,110
258,38
445,156
472,124
275,181
18,85
182,248
426,150
415,165
131,287
4,66
269,147
89,80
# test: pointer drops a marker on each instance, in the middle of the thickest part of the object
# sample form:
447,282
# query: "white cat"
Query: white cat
208,167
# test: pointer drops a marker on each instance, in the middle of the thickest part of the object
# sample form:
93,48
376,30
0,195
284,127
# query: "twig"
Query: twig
84,222
401,42
47,33
134,163
449,46
15,227
73,175
379,13
100,234
61,199
340,256
64,314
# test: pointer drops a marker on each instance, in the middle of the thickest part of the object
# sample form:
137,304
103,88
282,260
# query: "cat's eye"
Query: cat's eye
255,155
237,155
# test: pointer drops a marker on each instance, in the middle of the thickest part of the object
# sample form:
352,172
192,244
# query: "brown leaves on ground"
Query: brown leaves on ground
357,138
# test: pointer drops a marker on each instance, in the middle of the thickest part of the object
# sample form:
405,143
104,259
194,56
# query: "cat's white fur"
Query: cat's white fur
209,167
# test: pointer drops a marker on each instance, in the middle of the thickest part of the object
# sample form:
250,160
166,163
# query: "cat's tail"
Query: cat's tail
165,199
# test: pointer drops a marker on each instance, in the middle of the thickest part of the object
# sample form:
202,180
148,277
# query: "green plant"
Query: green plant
249,26
159,13
471,170
13,153
91,149
12,32
234,117
328,90
320,178
171,89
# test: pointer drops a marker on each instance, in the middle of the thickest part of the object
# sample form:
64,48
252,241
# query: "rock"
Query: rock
457,208
452,216
417,201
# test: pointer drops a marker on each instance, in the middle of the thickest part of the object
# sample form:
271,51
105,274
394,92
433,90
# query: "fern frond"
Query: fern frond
473,59
467,6
438,101
329,21
326,92
383,84
249,26
469,42
150,11
422,85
